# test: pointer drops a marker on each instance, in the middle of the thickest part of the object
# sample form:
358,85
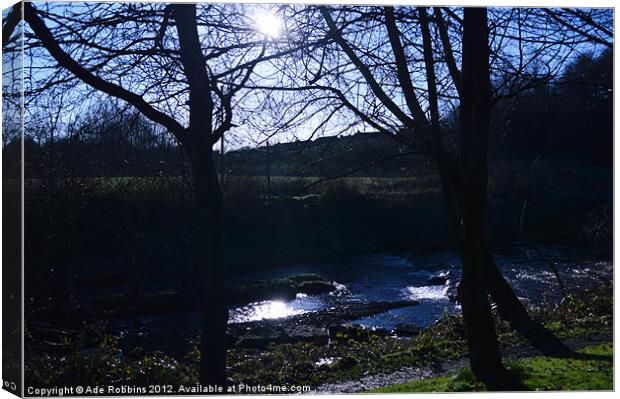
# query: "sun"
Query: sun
268,24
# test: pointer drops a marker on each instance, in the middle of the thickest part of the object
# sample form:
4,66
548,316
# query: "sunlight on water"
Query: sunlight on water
542,276
263,310
435,292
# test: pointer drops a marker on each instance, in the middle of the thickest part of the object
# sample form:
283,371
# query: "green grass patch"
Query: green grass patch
592,372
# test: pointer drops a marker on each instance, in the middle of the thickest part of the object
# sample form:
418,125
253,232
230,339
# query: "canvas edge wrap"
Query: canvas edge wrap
12,203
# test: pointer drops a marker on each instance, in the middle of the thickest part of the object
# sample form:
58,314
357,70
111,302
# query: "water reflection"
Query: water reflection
263,310
435,292
388,278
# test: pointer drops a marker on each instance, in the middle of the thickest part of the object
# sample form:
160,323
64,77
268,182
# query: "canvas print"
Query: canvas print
238,198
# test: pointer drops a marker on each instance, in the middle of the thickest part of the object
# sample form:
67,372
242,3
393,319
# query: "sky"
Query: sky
264,22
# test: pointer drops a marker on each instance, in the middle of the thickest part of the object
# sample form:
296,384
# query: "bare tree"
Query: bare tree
184,79
386,70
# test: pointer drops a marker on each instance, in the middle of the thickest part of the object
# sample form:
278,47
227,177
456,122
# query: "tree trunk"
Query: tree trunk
465,194
485,356
198,144
213,345
513,311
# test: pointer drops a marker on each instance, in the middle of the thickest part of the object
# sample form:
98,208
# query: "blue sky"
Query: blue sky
249,133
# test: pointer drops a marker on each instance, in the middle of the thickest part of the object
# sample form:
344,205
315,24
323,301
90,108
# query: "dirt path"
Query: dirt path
412,373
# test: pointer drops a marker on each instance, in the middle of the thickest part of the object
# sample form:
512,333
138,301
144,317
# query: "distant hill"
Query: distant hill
369,154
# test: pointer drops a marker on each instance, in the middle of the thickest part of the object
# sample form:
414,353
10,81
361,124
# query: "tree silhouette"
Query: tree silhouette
161,70
384,71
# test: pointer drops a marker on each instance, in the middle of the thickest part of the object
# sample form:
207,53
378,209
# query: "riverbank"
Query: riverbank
348,355
340,366
591,368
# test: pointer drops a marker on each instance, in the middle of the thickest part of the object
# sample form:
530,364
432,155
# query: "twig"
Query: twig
554,269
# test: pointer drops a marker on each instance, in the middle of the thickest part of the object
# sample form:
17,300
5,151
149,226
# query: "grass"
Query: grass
245,189
536,374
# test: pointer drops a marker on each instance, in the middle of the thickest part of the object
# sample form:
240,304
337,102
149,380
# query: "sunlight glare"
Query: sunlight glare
263,310
269,24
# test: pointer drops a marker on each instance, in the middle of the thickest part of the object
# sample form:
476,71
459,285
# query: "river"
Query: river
390,277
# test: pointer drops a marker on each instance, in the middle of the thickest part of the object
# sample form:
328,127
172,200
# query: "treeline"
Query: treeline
569,118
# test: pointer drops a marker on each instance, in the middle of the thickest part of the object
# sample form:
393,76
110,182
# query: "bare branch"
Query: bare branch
576,29
44,34
402,66
12,19
447,49
363,69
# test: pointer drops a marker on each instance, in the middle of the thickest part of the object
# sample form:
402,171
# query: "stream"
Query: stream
409,276
423,277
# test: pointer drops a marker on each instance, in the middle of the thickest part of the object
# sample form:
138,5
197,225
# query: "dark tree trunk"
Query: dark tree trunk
485,356
465,189
213,345
513,311
10,23
198,144
484,353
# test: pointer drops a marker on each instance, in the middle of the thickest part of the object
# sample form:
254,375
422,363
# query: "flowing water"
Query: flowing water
390,277
402,276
